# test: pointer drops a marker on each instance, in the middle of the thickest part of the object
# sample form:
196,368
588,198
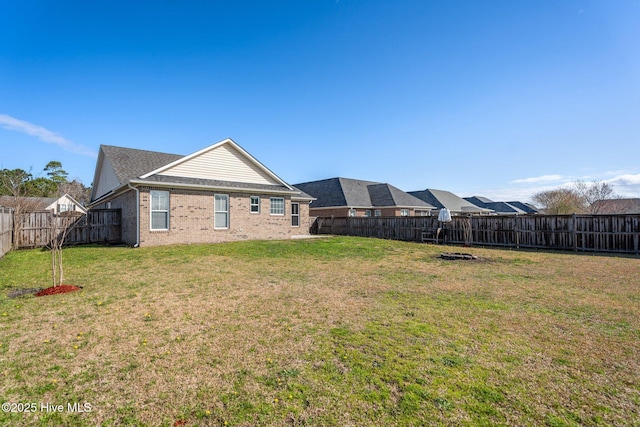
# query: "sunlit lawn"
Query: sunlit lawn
330,332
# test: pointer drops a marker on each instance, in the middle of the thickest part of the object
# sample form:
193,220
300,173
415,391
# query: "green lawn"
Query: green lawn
335,331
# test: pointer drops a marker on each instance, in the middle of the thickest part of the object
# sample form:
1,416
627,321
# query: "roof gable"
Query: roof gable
117,166
341,192
328,192
498,207
446,199
223,161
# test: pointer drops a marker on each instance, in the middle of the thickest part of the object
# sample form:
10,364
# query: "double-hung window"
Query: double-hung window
295,214
255,204
277,206
159,210
404,212
221,211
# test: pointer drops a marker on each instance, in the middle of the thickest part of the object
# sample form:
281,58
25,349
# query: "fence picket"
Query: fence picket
587,233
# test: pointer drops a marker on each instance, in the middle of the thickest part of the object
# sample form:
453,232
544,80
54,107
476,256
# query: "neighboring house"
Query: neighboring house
498,208
617,206
526,207
220,193
352,197
60,205
445,199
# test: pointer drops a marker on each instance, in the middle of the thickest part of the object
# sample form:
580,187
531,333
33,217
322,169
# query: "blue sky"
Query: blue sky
492,98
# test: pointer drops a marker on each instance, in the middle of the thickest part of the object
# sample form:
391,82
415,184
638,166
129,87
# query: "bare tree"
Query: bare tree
594,192
559,201
60,227
12,183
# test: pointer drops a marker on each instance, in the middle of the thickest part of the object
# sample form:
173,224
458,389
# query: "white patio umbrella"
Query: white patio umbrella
444,216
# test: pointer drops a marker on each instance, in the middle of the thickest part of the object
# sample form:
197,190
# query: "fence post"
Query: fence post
574,233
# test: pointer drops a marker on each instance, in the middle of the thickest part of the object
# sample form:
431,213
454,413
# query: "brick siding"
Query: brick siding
191,215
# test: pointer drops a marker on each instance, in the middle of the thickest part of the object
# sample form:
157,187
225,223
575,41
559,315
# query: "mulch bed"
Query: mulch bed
54,290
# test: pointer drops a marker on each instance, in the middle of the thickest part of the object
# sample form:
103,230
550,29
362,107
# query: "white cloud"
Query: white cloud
538,179
626,184
626,179
45,135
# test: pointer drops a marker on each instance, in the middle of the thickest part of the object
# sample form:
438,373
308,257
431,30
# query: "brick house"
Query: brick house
220,193
343,197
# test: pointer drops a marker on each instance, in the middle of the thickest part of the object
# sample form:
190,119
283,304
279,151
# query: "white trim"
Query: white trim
209,187
296,215
151,210
228,217
251,205
284,206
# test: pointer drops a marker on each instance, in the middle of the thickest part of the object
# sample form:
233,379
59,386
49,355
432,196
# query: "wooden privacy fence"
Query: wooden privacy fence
594,233
6,230
36,229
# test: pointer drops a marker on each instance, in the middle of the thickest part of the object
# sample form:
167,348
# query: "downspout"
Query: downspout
137,214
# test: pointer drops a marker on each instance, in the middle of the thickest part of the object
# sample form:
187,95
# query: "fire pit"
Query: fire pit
457,256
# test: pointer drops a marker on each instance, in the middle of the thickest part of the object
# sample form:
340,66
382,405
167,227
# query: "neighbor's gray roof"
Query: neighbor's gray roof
446,199
526,207
619,206
335,192
29,203
497,207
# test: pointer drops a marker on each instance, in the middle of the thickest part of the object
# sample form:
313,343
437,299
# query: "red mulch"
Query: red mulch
58,290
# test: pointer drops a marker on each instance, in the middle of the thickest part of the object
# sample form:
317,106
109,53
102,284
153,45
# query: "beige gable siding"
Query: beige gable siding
107,180
223,163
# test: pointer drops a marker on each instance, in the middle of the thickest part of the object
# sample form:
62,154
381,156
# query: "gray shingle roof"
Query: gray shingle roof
198,182
334,192
130,163
498,207
446,199
526,207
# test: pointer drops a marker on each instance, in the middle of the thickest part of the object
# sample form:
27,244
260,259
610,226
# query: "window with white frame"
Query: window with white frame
295,214
65,207
404,212
255,204
367,213
377,212
277,206
220,211
352,212
159,210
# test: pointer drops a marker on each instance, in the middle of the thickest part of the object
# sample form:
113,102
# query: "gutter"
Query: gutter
137,214
212,188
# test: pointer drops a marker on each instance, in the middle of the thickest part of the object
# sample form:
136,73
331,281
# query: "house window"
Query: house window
377,212
277,206
295,214
221,211
107,205
352,212
404,212
255,204
367,213
65,208
423,213
159,210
